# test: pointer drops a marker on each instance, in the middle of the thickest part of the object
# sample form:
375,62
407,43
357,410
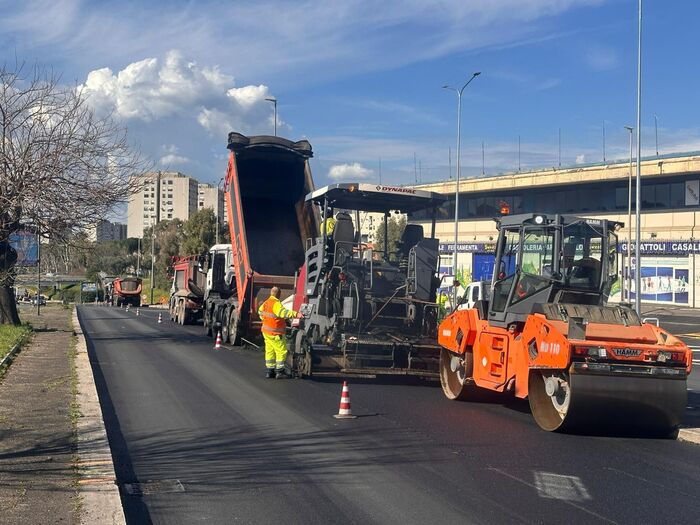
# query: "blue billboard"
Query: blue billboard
27,247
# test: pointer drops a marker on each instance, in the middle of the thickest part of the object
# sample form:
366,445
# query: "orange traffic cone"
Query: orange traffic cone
344,412
217,344
160,317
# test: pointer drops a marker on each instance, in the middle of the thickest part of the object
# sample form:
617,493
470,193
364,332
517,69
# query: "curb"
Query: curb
9,357
97,483
691,435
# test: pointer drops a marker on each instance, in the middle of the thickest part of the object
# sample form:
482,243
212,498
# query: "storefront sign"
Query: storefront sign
468,247
663,247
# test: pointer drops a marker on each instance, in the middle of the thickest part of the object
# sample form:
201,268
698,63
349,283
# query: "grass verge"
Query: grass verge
74,414
10,335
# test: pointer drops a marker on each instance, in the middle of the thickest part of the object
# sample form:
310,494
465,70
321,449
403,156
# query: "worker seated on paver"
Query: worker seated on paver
273,316
327,225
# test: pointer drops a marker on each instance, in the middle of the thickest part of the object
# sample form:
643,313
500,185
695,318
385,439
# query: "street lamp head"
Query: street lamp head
271,99
629,128
477,74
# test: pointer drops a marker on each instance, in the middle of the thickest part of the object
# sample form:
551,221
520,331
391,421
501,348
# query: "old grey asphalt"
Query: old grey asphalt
199,435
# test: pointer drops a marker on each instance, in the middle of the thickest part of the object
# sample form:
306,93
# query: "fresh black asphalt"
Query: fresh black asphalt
200,435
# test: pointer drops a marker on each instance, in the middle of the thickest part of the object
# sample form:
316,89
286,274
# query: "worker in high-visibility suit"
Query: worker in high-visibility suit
327,226
273,316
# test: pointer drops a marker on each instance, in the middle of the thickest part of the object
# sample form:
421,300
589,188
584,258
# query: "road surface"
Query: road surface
199,435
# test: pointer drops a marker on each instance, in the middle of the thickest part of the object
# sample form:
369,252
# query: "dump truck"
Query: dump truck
126,291
368,312
548,334
265,185
186,301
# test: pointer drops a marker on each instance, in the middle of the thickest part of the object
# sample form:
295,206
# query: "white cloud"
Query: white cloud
600,58
296,41
171,159
581,159
349,172
153,89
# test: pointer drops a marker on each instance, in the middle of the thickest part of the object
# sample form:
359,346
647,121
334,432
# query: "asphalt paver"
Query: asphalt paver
201,435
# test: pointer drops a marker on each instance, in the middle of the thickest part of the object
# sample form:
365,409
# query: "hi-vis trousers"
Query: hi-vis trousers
275,351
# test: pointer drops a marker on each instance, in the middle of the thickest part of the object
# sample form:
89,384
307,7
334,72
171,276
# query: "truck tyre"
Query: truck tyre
207,320
182,313
225,325
234,329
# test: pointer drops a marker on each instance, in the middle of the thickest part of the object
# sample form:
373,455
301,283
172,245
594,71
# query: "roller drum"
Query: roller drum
585,401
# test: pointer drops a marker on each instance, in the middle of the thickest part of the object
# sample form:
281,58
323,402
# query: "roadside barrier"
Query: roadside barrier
344,412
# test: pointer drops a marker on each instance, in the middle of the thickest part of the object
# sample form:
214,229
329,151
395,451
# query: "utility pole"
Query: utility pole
518,153
153,260
459,164
449,160
38,270
638,209
560,147
415,168
603,140
420,171
483,160
138,256
274,103
656,133
629,222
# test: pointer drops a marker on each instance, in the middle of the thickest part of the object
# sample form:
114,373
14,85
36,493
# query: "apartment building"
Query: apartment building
210,196
164,196
107,231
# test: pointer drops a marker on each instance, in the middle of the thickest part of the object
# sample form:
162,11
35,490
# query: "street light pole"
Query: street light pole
153,260
637,273
459,163
218,188
656,133
274,103
629,221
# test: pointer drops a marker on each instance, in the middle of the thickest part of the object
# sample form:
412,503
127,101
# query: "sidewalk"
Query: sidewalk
38,481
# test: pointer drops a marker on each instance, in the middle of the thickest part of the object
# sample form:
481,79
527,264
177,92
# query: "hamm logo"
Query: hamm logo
627,352
395,189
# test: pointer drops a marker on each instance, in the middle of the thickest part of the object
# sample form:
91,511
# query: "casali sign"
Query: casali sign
663,247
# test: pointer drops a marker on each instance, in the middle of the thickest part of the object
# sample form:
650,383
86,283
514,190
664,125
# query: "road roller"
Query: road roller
547,333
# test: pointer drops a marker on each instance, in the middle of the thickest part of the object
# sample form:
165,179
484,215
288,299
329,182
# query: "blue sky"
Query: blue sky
362,79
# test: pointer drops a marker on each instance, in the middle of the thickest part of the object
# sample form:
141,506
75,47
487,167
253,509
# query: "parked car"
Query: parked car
41,300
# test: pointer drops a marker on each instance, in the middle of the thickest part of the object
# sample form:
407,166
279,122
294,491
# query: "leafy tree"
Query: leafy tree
198,232
395,228
111,257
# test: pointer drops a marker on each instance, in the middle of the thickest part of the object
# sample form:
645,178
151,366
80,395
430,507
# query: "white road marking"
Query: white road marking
559,486
568,502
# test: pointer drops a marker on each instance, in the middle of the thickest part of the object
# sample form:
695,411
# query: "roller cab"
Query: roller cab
548,334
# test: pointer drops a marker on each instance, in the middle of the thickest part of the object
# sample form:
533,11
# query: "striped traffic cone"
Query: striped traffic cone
344,412
217,344
138,312
160,317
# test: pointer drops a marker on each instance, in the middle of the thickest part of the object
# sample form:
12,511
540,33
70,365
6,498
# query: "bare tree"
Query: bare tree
62,166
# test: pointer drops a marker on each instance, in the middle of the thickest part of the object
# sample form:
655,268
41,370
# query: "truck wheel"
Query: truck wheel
182,312
234,329
225,326
207,316
455,374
